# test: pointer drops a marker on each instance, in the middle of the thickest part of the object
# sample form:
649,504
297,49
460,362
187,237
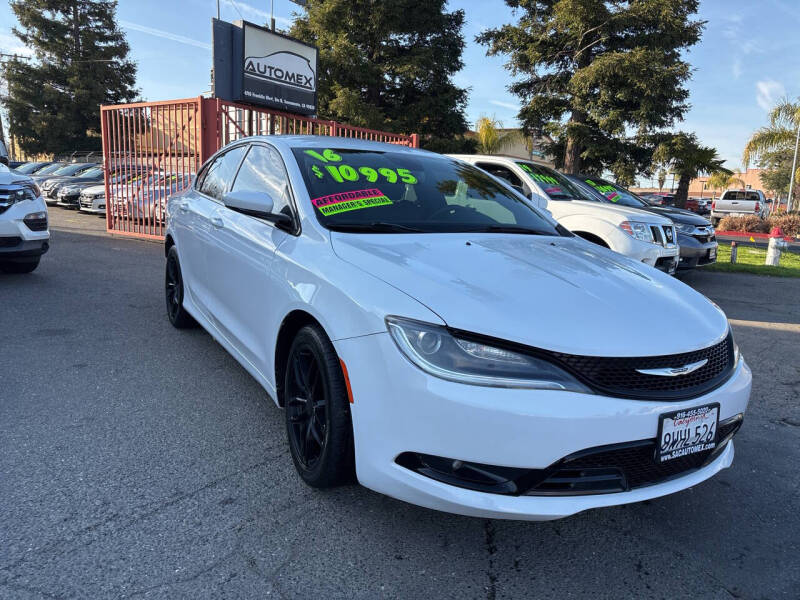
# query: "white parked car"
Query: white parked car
739,203
642,236
431,333
24,234
93,200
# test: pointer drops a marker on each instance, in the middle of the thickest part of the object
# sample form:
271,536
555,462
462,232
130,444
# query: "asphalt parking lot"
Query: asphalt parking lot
141,461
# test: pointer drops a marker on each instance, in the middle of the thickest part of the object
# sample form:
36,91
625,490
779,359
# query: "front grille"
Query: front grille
669,234
625,466
10,242
619,376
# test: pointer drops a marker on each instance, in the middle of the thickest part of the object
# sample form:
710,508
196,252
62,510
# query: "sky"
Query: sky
748,58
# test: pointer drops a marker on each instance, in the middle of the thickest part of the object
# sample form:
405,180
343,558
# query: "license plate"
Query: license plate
673,267
712,254
686,432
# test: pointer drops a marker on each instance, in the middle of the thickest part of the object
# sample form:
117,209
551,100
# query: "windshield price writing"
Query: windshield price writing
343,173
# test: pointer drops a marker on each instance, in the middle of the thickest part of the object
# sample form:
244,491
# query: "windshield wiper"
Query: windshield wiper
376,226
511,229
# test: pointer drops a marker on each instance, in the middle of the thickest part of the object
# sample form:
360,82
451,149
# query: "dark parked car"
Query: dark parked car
49,181
67,192
696,237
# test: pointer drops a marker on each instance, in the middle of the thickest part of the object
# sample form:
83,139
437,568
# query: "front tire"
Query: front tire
173,292
19,267
318,422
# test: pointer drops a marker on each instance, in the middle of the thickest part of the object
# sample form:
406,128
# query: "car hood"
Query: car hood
7,176
561,294
679,215
612,212
95,188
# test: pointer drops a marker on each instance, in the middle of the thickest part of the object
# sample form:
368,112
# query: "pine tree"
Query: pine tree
388,64
592,72
81,62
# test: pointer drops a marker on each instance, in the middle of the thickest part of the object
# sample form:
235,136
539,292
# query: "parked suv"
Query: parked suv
641,235
24,235
739,203
696,237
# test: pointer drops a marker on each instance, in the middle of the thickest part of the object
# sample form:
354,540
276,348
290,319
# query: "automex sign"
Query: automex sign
278,71
258,66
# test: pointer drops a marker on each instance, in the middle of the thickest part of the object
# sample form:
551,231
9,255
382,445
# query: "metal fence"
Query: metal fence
154,149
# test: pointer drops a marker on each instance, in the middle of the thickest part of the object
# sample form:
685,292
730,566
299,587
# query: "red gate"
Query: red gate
154,149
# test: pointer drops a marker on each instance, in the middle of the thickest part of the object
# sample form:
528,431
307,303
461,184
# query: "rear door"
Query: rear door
241,291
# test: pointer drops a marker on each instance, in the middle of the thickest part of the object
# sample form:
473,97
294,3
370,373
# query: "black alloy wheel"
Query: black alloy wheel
318,421
173,288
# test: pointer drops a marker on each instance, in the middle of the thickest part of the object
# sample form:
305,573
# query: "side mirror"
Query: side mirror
255,204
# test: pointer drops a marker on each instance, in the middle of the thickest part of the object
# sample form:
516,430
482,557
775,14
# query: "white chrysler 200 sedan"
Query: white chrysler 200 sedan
433,335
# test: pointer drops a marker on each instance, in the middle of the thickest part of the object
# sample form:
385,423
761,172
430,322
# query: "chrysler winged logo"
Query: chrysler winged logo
674,371
285,68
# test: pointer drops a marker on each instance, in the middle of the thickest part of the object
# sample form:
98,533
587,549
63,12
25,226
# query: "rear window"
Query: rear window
740,195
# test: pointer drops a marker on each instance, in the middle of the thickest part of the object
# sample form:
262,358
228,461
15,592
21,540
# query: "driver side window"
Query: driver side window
263,171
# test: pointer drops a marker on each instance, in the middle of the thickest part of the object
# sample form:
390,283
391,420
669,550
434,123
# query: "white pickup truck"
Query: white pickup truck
739,203
638,234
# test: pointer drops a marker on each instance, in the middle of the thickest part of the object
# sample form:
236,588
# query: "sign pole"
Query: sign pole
794,171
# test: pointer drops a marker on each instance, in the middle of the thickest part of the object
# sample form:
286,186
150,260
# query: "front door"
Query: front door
240,260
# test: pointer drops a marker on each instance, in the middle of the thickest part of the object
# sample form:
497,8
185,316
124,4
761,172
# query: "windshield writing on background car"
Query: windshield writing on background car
553,183
368,190
614,193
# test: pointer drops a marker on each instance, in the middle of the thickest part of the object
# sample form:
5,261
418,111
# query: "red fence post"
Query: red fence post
107,158
208,109
415,140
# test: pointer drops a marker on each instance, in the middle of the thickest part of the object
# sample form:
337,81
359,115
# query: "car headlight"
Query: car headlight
20,192
640,231
687,228
436,351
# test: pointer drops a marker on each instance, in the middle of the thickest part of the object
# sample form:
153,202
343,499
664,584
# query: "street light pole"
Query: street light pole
794,171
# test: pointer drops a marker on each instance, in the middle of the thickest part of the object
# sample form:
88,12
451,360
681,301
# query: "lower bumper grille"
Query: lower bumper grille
603,470
625,466
10,242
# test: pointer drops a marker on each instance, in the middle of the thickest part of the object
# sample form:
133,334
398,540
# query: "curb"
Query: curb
748,235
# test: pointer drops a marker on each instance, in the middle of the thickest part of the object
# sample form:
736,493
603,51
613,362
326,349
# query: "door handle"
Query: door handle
217,222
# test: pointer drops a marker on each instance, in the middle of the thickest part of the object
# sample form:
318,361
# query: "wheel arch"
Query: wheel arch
291,324
592,237
169,242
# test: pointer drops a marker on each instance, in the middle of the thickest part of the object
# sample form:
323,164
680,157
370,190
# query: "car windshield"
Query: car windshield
614,193
71,169
93,172
50,169
553,183
387,192
28,168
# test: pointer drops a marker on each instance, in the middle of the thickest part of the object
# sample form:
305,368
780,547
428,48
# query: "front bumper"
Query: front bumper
68,200
398,408
93,205
695,253
664,258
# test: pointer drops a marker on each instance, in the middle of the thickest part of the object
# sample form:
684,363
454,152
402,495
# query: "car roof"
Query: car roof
288,142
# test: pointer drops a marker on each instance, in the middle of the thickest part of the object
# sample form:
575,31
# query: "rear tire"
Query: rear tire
173,292
317,408
19,267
